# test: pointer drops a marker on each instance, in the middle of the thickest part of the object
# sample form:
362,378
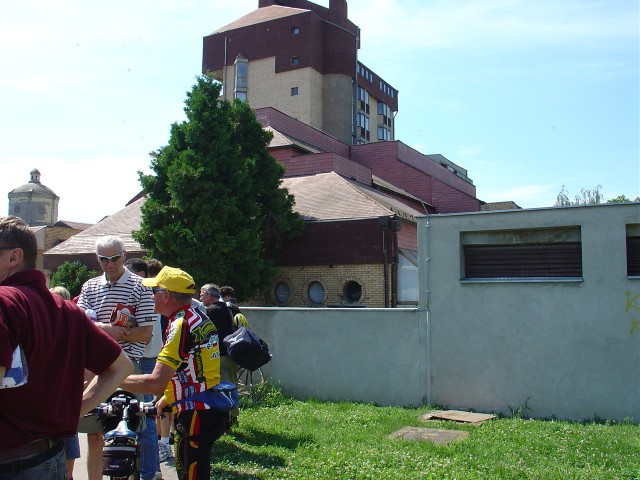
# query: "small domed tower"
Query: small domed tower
35,203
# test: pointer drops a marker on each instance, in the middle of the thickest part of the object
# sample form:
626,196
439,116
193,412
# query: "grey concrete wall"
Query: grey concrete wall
568,349
369,355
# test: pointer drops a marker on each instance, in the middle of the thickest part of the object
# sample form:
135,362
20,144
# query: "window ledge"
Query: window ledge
523,280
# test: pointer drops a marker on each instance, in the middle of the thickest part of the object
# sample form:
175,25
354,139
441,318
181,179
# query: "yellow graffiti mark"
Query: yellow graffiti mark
631,302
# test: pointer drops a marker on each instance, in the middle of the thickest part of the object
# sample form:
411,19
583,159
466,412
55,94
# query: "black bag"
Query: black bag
247,349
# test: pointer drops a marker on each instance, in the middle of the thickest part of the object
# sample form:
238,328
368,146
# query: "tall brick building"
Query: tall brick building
296,63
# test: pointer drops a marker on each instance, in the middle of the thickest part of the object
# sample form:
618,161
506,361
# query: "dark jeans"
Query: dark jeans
53,469
196,430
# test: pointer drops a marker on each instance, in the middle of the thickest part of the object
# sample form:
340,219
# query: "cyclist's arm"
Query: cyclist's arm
152,383
106,383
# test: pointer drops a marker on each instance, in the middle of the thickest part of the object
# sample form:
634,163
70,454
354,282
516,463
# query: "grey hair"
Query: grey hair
212,288
109,241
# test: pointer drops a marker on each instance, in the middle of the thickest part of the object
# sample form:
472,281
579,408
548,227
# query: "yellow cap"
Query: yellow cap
172,279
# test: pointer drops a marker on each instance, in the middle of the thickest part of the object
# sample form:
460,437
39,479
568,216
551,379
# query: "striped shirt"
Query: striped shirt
101,297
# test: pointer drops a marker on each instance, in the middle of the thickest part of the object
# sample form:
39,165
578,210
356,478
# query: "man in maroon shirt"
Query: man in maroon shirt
55,341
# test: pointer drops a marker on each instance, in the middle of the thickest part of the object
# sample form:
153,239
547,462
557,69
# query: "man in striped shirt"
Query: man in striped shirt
102,294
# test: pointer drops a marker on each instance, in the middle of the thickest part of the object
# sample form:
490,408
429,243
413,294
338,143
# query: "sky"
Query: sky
526,96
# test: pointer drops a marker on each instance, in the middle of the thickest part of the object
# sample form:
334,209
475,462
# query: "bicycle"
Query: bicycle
248,380
122,417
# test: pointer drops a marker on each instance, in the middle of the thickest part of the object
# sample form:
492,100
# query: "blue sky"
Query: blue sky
527,96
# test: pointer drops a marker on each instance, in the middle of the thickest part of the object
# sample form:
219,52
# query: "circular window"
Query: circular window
316,292
352,292
42,210
16,209
282,292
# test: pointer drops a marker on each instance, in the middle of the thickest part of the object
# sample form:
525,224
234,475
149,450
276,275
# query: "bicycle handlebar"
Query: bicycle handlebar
116,405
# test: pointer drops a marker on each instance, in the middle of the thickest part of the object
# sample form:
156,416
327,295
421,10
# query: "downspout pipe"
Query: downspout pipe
384,222
395,228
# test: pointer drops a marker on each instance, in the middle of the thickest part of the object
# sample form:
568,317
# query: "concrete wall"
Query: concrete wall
569,349
368,355
566,348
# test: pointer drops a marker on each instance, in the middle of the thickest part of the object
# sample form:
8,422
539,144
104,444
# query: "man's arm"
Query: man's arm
106,383
140,334
152,383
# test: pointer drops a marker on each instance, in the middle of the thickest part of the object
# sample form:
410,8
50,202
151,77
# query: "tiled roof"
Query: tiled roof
121,223
493,206
74,225
261,15
281,140
328,196
325,196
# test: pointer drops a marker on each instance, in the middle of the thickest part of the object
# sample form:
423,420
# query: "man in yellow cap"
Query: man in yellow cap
188,364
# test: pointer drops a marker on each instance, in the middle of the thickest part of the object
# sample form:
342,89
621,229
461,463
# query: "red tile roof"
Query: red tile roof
261,15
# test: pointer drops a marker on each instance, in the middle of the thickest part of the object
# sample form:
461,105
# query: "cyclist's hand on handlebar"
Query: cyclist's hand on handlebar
161,404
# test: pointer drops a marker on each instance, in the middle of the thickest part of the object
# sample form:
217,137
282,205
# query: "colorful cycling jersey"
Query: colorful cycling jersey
192,348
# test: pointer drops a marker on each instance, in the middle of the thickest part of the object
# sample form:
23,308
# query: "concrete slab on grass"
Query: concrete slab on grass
457,416
434,435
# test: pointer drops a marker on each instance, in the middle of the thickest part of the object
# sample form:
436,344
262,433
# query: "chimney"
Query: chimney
338,12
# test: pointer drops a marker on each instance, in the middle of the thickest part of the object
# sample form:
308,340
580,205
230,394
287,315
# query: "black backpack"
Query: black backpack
247,349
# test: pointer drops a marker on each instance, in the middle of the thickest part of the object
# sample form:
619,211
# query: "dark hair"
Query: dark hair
14,232
227,291
154,266
137,265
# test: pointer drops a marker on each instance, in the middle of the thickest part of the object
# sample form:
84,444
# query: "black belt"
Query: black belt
47,448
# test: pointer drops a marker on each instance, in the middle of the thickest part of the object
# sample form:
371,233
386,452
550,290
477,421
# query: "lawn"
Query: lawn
281,438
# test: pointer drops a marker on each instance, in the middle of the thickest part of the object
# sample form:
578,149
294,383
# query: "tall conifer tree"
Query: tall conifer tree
215,204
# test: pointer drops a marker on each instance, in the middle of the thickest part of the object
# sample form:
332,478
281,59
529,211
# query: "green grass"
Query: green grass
281,438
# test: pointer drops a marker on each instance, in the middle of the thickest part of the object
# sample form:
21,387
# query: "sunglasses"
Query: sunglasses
112,258
157,289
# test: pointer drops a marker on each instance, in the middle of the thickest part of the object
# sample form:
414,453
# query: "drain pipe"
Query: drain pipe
395,228
383,222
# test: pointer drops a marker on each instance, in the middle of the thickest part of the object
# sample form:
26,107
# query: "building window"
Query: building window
294,91
316,292
295,30
241,82
633,250
363,100
383,134
542,254
282,293
295,60
363,127
352,292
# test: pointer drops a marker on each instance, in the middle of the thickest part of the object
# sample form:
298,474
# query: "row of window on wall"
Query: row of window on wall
316,293
363,72
387,89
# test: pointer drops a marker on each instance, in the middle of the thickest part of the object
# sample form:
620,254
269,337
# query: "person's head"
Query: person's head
154,265
228,293
18,247
172,289
137,266
111,255
61,291
209,293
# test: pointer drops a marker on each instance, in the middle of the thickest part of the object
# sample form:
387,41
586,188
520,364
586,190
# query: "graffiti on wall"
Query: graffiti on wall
633,308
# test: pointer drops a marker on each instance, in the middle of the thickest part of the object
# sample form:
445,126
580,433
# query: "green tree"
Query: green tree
72,275
215,205
622,199
587,197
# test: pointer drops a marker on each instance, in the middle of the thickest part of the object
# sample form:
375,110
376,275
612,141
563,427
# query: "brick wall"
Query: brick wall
333,278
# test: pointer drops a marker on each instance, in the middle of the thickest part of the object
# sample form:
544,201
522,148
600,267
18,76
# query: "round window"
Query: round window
316,292
352,292
16,209
282,292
